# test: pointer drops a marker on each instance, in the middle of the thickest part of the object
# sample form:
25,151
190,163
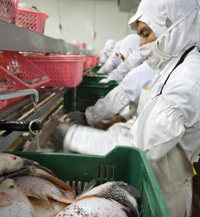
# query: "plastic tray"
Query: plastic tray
32,20
126,164
15,69
8,10
64,70
98,89
86,95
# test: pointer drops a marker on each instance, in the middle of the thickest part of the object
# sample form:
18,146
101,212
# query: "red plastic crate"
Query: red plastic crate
97,59
15,71
88,62
64,70
79,44
8,9
32,20
93,60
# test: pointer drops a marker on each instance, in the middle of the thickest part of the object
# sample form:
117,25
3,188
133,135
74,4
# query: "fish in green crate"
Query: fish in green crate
14,166
116,190
92,206
13,202
11,163
115,198
43,189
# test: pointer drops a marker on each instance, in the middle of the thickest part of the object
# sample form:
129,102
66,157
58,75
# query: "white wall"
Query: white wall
81,19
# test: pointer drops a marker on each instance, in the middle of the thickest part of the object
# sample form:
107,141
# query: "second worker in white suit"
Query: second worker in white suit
121,102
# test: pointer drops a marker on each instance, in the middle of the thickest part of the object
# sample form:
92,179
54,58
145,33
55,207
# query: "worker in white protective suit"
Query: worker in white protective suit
168,126
123,99
120,104
128,50
112,62
105,53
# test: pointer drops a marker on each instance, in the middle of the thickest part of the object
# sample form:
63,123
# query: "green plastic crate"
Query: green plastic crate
78,104
95,68
85,95
126,164
91,79
94,80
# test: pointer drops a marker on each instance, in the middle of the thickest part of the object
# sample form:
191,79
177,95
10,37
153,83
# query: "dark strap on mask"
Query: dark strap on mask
178,63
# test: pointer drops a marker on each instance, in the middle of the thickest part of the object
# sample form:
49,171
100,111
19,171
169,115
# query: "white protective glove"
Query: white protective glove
77,117
58,136
112,104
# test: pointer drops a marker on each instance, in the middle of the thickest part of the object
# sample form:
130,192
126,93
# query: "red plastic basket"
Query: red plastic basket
32,20
93,60
79,44
64,70
88,62
15,71
8,9
9,82
97,59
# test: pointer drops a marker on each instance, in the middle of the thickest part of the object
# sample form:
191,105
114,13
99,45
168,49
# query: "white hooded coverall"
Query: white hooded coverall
126,93
168,127
113,60
129,49
105,53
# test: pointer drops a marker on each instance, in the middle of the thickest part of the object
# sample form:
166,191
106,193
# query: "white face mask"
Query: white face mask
151,54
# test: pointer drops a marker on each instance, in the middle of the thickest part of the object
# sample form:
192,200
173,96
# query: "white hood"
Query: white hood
174,23
117,47
128,44
129,47
110,44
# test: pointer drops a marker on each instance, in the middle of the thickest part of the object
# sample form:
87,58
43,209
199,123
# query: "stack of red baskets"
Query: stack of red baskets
90,62
8,10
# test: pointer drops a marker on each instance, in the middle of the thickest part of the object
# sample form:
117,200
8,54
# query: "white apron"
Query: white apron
174,172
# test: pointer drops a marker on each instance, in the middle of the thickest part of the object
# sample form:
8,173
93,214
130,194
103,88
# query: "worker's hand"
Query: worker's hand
58,136
77,118
108,122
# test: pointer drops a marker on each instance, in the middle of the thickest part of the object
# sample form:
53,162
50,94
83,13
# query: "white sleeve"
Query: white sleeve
87,140
129,111
108,106
125,112
106,68
157,131
160,131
